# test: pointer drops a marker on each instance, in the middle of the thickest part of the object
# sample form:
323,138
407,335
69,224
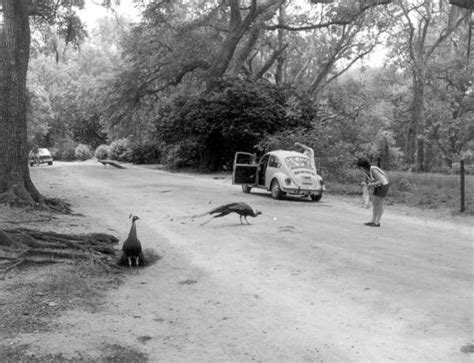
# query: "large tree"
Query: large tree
426,27
15,37
191,46
15,181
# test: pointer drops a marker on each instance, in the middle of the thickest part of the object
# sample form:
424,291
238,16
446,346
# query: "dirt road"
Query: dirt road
304,282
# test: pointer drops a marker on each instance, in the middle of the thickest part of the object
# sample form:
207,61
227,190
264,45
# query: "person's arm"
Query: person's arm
303,146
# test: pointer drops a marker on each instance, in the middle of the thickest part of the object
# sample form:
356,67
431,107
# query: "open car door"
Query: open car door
245,169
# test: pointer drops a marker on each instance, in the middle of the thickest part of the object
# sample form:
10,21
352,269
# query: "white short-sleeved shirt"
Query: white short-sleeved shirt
378,174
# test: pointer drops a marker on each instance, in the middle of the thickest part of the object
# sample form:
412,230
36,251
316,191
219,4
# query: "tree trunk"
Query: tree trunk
15,182
281,36
415,147
237,28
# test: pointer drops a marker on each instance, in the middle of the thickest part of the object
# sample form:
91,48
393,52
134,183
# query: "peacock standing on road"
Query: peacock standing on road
242,209
132,248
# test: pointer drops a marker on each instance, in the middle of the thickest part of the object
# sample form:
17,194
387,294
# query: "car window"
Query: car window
273,162
298,162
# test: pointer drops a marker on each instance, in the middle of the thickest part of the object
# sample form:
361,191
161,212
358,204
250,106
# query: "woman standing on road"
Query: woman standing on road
379,180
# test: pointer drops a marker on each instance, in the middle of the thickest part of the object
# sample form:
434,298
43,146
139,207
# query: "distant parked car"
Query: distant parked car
281,172
43,156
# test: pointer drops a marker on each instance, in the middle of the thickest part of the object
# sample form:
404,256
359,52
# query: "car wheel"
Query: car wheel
50,163
276,190
316,197
246,189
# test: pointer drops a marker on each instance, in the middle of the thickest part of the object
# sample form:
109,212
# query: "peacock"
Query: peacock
242,209
132,248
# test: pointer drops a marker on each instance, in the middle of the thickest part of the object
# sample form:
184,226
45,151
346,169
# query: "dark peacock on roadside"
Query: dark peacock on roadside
242,209
132,248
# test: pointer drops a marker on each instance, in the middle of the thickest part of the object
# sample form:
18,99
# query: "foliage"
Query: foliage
39,114
384,148
102,152
64,149
147,153
120,150
148,85
422,39
83,152
207,130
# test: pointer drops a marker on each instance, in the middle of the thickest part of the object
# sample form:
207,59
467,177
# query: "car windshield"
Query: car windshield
43,151
297,162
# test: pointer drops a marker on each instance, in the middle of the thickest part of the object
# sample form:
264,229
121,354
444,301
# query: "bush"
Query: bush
102,152
64,150
120,150
149,153
83,152
184,154
235,117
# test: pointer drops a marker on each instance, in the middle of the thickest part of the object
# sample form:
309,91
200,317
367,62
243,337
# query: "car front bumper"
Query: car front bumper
302,191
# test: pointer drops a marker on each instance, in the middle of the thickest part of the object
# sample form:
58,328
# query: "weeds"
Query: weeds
422,190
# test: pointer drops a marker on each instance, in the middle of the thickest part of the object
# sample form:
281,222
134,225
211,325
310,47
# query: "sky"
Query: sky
92,12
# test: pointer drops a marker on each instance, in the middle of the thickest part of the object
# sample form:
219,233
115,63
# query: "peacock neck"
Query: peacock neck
133,231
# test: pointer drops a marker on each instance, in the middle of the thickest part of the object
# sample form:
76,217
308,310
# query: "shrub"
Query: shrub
102,152
83,152
210,128
187,153
148,153
64,150
120,150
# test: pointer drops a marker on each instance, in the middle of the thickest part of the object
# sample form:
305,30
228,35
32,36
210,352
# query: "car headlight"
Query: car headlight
287,180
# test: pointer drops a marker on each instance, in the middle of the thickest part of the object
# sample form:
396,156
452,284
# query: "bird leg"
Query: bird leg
245,217
137,260
129,263
240,219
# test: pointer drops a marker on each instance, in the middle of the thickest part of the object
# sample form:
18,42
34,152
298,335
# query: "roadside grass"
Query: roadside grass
421,190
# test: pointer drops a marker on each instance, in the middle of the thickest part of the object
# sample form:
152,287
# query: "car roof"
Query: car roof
286,153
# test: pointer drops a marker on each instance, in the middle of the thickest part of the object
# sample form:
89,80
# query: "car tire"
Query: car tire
50,163
276,190
316,197
246,189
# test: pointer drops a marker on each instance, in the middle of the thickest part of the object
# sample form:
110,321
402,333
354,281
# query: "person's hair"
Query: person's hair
363,163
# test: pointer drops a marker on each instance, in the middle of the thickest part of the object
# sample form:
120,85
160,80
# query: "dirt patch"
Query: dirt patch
15,354
118,353
111,353
34,295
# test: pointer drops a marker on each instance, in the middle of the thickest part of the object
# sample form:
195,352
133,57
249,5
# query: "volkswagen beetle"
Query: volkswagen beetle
281,172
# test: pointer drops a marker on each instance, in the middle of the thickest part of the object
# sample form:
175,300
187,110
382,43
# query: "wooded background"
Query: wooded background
191,82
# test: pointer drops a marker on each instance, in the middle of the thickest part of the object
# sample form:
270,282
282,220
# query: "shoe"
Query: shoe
372,224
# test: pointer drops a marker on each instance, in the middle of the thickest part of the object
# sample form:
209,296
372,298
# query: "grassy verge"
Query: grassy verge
421,190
